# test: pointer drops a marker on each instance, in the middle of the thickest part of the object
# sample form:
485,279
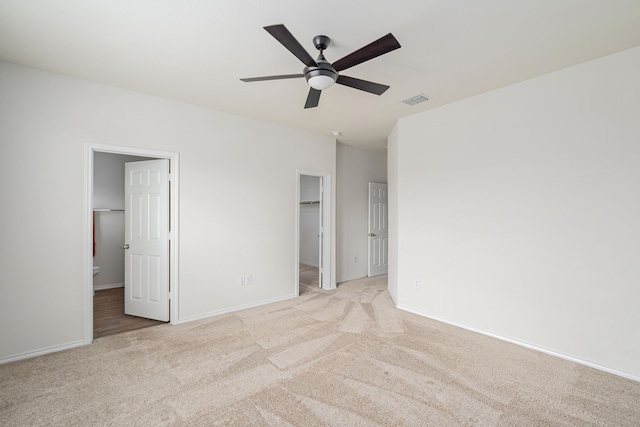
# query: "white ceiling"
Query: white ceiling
196,51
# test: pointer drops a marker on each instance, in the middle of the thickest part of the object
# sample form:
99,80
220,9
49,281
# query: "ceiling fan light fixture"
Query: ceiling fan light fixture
320,78
321,82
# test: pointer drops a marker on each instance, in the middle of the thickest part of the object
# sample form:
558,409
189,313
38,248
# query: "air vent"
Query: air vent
415,100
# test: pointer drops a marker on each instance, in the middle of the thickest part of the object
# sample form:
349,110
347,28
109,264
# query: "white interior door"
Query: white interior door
146,242
378,229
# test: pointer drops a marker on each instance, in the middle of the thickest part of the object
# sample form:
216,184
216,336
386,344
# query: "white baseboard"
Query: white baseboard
42,351
348,278
527,345
232,309
393,298
108,286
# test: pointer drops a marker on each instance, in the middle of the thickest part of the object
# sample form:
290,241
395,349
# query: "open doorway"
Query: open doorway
104,231
312,230
310,233
109,255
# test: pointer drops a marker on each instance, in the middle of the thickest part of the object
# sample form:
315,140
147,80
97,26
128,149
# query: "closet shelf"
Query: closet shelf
108,210
310,202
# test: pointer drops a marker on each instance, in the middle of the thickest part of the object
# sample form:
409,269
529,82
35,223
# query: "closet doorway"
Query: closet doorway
105,295
313,232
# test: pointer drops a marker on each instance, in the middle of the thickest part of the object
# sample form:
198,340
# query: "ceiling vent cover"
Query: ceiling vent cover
416,100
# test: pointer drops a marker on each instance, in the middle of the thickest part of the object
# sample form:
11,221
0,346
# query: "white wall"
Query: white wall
108,179
109,255
236,175
309,220
519,212
356,168
108,193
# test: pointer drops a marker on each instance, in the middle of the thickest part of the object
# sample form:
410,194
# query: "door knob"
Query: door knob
372,234
125,246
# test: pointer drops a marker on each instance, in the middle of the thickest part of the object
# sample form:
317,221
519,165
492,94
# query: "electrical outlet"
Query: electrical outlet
355,259
417,285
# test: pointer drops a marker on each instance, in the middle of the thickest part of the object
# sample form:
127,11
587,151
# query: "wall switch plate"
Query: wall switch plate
242,280
355,259
247,279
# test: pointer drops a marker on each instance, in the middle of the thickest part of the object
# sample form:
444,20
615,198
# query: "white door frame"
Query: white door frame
326,241
174,200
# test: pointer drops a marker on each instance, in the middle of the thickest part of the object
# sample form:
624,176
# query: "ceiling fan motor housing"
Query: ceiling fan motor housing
323,69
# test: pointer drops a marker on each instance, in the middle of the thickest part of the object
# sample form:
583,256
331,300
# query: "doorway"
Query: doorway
111,214
313,235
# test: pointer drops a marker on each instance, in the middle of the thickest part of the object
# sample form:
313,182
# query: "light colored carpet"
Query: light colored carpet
328,358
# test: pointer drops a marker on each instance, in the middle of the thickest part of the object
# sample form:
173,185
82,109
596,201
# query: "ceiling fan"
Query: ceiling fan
321,74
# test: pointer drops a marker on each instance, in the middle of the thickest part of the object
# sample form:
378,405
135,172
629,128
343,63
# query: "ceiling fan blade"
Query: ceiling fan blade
280,77
367,86
379,47
283,35
313,98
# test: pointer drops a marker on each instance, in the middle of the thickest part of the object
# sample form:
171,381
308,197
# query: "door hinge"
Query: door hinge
170,176
169,295
170,235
